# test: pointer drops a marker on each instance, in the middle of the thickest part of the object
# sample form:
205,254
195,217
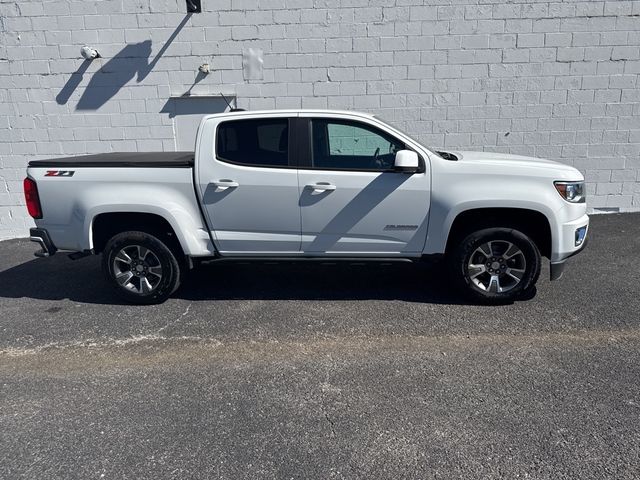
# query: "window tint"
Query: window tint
352,145
262,142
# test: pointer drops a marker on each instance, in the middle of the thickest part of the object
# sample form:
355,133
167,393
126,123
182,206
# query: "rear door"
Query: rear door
248,184
351,200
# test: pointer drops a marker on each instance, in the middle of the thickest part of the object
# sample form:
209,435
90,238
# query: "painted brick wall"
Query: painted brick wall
551,79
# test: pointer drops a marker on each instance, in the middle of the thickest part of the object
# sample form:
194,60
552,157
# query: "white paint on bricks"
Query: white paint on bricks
545,78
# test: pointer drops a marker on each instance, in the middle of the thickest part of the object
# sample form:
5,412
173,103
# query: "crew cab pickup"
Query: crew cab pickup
309,184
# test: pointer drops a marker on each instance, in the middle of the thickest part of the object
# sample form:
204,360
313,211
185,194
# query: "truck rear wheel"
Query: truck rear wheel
140,267
496,265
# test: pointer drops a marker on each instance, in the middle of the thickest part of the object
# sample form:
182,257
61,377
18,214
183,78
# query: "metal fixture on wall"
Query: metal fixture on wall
194,6
89,53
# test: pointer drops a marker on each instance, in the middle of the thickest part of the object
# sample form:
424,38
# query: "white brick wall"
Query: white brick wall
551,79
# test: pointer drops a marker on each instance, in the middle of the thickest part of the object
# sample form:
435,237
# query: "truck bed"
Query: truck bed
122,159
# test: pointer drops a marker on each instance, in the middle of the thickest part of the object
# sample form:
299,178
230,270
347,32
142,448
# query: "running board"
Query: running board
313,259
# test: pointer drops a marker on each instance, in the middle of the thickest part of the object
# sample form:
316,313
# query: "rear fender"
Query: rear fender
193,238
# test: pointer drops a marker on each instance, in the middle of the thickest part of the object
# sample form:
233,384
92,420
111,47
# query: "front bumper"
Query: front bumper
573,239
564,238
557,268
41,237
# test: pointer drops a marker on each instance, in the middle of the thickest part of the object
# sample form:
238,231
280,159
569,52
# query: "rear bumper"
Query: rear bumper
41,237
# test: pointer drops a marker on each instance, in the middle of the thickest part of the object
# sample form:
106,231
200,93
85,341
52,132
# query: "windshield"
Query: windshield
390,124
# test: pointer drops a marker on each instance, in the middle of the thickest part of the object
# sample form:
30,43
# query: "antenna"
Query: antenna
226,101
231,109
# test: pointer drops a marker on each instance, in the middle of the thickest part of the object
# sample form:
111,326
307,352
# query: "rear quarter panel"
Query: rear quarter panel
71,203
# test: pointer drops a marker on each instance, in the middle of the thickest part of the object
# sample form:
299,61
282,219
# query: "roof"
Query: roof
291,111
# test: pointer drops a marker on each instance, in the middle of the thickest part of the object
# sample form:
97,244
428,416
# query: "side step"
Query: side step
328,260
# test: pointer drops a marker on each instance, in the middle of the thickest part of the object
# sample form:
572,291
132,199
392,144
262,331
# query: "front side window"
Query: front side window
345,145
263,142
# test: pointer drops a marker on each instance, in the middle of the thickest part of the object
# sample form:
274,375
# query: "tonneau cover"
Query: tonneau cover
122,159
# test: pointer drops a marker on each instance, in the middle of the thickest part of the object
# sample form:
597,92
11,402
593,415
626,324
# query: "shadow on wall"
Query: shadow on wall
187,112
132,61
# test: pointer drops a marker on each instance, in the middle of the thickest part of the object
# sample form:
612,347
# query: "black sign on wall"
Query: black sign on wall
194,6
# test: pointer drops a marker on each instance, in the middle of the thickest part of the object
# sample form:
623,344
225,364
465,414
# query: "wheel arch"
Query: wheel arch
107,224
532,223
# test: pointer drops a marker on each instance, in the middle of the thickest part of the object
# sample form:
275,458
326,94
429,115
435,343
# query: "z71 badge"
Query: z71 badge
59,173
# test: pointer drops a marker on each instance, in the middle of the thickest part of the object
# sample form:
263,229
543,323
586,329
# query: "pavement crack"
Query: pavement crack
326,387
366,345
176,320
98,344
328,418
156,336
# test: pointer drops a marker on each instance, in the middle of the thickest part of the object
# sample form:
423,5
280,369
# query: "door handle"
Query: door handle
322,187
225,183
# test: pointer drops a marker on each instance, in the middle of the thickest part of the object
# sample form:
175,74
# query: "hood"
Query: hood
508,160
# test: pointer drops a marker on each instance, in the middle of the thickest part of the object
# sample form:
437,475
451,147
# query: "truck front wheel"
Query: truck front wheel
496,265
140,267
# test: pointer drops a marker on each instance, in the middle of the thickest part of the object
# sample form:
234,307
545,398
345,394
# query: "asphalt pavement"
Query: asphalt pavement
322,371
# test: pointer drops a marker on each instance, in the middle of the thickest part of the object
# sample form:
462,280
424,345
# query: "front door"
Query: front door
249,186
351,200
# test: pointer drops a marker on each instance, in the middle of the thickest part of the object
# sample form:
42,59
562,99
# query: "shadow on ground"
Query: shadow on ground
58,278
607,267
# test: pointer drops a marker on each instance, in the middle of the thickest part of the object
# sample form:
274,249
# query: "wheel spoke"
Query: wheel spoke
157,271
485,249
123,277
515,277
494,284
476,269
142,252
145,286
516,273
123,257
511,251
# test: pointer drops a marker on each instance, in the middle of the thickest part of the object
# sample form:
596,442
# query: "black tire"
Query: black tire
482,287
161,269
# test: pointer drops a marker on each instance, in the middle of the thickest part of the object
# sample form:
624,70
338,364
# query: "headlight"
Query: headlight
571,191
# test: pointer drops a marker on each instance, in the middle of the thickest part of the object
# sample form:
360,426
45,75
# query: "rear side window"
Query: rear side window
261,142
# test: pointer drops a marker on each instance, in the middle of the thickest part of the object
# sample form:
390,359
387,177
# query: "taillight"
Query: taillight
32,198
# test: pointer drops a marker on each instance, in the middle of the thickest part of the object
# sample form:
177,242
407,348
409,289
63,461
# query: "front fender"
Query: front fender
447,205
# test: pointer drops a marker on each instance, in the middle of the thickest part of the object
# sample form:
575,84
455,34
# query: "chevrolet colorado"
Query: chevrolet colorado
309,184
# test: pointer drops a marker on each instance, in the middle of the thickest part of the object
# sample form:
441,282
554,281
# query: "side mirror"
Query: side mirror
406,161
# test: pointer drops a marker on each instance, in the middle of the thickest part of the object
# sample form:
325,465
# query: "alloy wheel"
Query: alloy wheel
496,266
138,269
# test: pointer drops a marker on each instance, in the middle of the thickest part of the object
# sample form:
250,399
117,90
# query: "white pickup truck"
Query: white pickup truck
309,184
